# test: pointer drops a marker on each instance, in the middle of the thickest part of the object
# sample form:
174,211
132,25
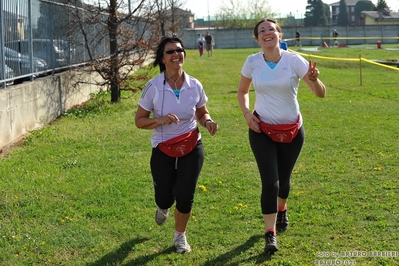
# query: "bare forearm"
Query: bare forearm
318,88
243,101
148,123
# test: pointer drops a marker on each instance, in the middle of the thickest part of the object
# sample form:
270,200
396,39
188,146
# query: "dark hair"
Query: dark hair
278,27
161,49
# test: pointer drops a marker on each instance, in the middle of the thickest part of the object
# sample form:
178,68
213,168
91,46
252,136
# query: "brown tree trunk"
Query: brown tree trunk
113,43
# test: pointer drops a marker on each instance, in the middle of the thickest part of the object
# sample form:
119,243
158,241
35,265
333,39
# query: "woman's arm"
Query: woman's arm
311,79
143,120
243,101
204,118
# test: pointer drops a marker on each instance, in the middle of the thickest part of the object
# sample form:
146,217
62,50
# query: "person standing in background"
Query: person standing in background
210,42
297,38
275,75
335,35
200,44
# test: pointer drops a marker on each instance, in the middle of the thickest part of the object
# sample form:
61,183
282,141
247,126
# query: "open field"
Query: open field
79,192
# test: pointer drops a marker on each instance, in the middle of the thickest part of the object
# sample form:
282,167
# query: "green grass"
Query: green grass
79,192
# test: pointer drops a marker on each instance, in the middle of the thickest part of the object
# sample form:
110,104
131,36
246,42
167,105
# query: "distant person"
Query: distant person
284,45
177,102
200,44
335,35
210,42
297,38
275,129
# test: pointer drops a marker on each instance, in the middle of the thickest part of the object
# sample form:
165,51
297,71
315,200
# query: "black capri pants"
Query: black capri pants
275,163
176,178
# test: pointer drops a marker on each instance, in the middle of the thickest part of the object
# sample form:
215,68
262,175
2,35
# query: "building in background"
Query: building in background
180,18
383,17
350,5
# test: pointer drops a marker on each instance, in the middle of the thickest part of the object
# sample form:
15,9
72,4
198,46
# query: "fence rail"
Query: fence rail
35,40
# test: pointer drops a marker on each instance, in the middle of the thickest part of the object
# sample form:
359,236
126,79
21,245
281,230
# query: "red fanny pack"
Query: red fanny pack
283,133
180,145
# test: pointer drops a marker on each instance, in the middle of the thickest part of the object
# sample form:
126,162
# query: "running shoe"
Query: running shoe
271,243
181,244
282,221
161,215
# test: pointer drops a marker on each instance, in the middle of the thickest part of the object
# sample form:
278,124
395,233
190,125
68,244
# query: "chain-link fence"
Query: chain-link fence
36,40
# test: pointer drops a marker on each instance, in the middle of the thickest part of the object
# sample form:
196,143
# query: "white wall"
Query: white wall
31,105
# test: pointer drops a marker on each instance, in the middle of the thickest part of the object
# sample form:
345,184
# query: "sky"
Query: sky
280,7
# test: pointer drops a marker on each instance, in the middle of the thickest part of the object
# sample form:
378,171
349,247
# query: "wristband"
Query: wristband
206,121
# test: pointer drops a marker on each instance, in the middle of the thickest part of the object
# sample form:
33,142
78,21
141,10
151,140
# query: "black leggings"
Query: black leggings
275,163
176,178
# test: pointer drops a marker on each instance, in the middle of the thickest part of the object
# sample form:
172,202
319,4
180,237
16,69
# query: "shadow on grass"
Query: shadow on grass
119,255
225,258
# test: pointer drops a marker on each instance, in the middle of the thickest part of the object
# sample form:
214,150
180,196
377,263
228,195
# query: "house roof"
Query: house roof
182,11
385,15
348,3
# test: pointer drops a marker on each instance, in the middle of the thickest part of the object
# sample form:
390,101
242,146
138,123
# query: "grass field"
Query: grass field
79,191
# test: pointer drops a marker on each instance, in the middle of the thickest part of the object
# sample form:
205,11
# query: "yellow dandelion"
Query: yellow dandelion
203,188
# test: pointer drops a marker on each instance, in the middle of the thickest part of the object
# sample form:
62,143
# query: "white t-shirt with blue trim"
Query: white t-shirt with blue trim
276,89
159,98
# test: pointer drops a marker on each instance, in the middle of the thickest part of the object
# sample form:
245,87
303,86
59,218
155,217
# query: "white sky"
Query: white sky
280,7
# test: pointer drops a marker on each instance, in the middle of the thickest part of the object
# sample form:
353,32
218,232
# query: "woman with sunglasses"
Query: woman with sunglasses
276,132
178,103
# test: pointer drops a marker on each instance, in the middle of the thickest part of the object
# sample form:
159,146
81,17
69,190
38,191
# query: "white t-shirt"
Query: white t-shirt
276,89
201,40
159,98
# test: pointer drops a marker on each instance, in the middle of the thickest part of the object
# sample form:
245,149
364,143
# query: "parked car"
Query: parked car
21,64
8,74
42,48
67,47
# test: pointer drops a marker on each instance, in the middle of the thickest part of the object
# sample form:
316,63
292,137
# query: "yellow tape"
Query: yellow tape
380,64
342,38
346,59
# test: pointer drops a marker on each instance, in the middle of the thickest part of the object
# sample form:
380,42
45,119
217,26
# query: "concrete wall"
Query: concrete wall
310,36
31,105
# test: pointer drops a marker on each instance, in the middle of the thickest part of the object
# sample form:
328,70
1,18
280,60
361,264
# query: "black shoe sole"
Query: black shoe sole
280,229
270,249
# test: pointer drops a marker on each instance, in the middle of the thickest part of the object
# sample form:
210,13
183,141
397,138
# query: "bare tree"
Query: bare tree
115,37
242,14
169,15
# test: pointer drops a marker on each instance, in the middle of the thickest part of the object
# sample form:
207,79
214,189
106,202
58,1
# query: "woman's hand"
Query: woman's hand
212,127
312,80
252,121
313,72
169,119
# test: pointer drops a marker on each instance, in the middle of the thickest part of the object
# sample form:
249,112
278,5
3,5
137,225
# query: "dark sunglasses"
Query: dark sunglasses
179,50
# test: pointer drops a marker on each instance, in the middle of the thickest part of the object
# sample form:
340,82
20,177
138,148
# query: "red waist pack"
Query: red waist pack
180,145
282,133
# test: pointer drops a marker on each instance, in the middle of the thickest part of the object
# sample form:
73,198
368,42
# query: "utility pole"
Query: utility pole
209,18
